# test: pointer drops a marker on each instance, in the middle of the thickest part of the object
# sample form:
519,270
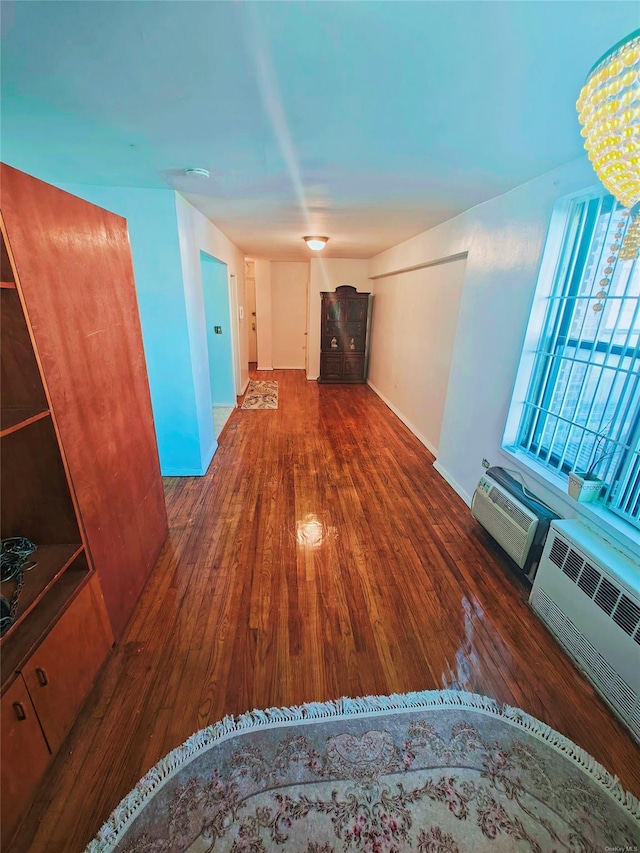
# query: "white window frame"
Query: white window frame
550,280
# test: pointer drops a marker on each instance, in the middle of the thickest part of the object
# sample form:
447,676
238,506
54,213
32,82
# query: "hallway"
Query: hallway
320,556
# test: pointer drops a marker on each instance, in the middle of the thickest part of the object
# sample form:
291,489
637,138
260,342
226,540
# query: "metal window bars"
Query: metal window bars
585,380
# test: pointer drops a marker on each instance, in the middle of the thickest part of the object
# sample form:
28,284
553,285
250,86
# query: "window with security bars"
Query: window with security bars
583,402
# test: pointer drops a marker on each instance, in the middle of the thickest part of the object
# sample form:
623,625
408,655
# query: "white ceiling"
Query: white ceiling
364,121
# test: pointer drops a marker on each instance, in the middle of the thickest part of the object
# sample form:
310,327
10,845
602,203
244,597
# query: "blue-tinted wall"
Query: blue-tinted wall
215,288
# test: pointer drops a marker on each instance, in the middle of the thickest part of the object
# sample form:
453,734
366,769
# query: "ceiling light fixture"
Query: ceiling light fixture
316,243
609,110
197,173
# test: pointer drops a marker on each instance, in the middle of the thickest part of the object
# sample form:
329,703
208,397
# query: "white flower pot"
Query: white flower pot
584,487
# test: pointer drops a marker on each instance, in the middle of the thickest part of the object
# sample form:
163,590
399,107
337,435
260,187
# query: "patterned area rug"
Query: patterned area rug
434,772
261,394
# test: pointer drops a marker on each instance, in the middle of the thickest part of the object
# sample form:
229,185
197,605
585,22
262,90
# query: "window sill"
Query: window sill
611,527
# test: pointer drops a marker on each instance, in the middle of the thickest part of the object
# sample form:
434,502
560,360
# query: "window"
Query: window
583,396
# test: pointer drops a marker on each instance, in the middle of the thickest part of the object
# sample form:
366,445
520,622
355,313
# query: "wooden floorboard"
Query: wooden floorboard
321,556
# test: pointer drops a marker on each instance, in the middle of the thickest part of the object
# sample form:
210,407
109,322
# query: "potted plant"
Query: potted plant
585,486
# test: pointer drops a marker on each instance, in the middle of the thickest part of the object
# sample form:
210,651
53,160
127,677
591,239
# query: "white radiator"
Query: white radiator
588,594
510,523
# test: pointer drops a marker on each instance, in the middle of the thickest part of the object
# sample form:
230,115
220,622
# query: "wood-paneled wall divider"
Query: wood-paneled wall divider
80,470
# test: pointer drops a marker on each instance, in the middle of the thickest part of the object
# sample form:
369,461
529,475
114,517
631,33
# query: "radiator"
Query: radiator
588,594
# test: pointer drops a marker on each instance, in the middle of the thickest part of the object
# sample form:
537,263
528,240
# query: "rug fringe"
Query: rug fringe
202,740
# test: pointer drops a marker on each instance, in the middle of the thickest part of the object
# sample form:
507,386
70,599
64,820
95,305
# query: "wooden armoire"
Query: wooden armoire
80,470
343,335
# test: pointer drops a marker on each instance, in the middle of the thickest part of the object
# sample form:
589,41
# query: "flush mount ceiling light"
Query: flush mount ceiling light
316,243
609,110
197,173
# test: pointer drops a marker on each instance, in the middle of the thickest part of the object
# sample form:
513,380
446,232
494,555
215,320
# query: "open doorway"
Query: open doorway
215,289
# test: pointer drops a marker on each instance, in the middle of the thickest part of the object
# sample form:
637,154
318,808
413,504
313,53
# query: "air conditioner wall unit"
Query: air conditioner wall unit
588,594
517,522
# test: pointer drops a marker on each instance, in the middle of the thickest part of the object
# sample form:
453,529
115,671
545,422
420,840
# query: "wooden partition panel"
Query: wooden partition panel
75,275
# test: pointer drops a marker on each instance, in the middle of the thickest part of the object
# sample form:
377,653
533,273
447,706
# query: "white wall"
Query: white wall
196,233
415,316
263,313
325,275
504,238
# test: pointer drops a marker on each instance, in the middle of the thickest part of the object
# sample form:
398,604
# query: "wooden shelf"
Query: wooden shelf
44,611
13,419
52,561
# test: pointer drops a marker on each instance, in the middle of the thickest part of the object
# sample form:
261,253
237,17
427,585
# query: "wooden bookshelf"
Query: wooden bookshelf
37,502
48,590
79,463
51,561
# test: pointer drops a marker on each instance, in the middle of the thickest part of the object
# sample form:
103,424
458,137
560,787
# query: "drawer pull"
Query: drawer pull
20,712
42,677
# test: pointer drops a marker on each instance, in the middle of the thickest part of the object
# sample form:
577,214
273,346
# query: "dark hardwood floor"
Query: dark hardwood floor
321,556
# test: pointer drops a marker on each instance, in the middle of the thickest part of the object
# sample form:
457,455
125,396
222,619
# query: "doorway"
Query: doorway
252,334
289,299
215,289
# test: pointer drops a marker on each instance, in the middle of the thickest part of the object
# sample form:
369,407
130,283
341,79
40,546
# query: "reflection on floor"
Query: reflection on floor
221,415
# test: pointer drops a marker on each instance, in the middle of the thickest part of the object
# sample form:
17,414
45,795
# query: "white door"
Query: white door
251,319
289,283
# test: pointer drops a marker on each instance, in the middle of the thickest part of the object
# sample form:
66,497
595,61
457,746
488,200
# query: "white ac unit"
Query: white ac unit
588,593
510,522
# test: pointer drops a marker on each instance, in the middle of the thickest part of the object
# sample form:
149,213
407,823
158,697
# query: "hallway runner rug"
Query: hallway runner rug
433,772
261,394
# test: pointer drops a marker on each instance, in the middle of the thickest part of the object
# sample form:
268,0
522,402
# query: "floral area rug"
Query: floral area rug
261,394
434,772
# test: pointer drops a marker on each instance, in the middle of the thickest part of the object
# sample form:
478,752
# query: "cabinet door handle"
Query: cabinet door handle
20,712
42,677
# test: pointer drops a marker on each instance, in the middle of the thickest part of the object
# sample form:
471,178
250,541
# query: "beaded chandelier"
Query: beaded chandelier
609,110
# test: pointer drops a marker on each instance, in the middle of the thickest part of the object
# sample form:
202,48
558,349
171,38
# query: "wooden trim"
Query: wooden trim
7,267
14,419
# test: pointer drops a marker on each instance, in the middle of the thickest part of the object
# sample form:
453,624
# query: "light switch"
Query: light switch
217,330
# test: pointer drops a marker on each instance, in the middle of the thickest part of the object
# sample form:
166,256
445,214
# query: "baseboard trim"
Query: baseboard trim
421,438
182,472
454,485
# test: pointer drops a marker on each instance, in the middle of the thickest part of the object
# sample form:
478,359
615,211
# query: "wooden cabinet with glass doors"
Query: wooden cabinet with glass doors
343,344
